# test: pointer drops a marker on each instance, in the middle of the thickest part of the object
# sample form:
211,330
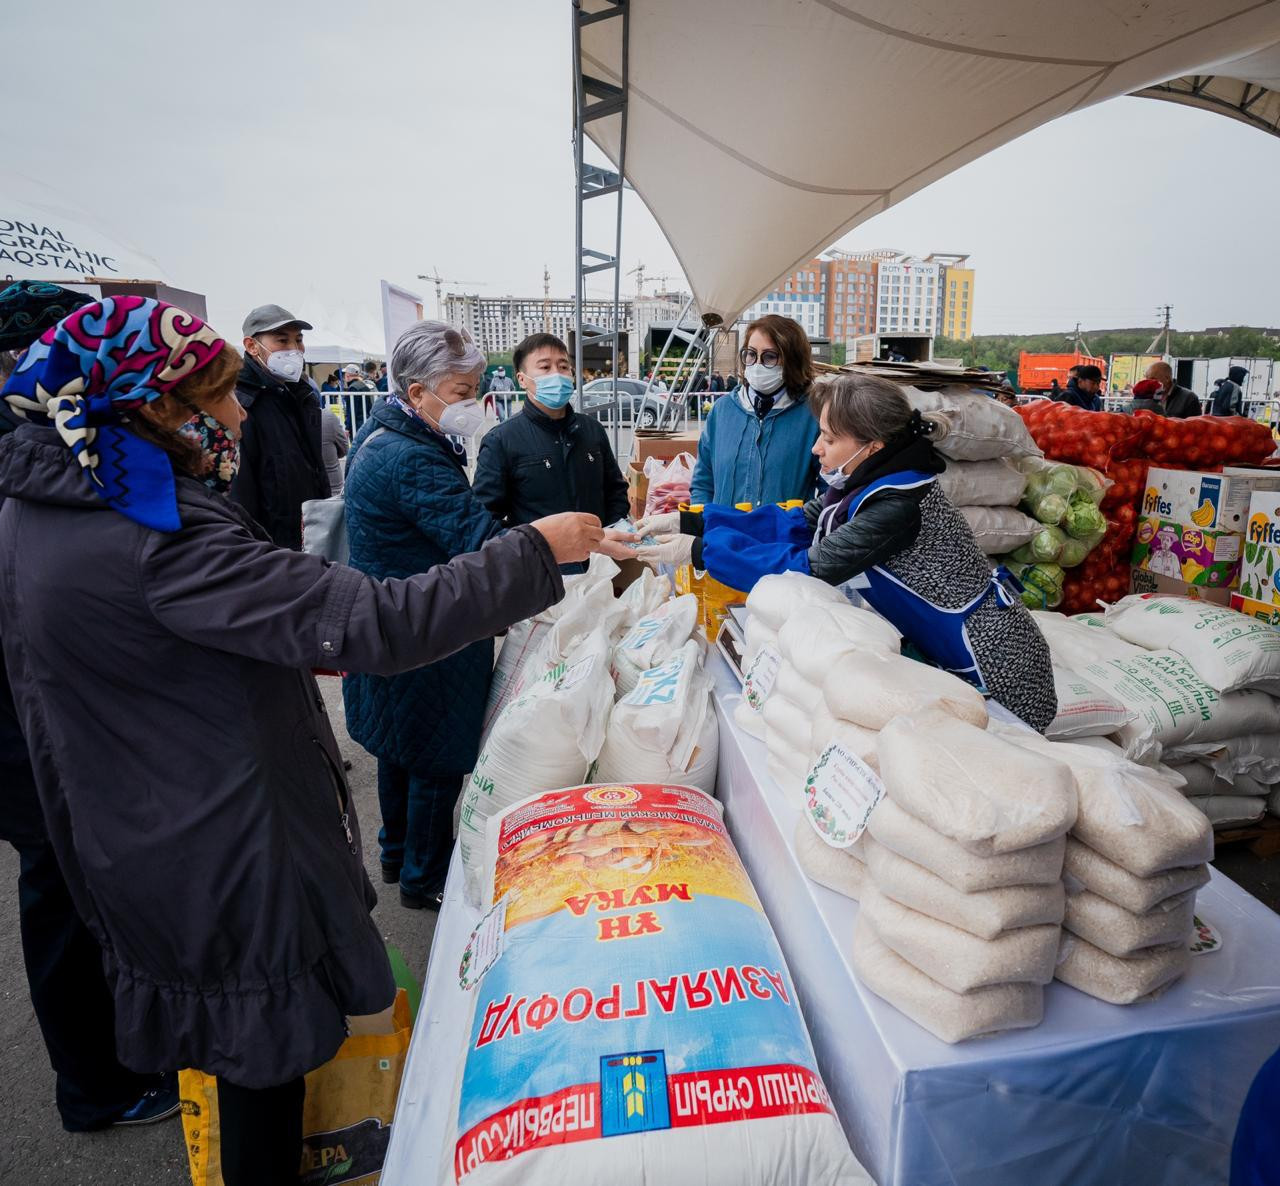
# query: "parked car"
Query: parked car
637,408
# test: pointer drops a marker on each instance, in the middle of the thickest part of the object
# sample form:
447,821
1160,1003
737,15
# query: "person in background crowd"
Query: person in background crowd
1146,397
717,381
757,446
731,384
410,508
224,882
499,385
332,383
1228,398
334,444
1055,390
548,458
883,517
354,380
69,993
1177,402
381,382
281,465
1084,390
1006,395
370,373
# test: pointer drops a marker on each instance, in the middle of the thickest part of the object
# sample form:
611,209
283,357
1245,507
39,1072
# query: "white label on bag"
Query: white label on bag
484,948
1204,938
840,794
761,676
576,674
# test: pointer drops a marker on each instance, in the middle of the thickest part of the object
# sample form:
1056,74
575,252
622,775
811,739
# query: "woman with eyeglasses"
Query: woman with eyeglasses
758,441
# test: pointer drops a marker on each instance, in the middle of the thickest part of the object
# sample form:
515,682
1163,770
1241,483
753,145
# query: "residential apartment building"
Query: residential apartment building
851,292
498,324
955,296
907,291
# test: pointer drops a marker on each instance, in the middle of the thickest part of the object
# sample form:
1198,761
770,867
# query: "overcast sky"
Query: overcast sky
300,152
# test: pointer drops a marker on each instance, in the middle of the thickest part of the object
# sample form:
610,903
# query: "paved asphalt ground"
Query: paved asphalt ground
35,1151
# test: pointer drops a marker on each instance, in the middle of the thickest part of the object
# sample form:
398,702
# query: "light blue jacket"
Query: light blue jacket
744,459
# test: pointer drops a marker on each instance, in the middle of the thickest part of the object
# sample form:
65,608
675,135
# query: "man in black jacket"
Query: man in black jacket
281,463
548,459
1083,391
1176,402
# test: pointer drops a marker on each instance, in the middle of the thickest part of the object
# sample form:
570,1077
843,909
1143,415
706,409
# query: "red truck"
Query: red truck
1036,372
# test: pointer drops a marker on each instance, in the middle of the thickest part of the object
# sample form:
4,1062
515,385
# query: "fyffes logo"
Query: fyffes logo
611,796
1264,530
1153,504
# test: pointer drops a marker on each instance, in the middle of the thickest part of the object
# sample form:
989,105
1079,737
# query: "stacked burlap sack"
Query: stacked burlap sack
962,904
1197,682
1135,857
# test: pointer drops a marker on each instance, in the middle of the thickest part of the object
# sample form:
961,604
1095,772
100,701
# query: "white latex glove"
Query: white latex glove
673,549
668,524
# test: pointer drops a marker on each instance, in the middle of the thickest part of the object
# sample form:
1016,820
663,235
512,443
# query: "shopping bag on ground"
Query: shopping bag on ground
346,1119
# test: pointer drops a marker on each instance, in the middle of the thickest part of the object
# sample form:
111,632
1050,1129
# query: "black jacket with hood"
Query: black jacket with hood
281,459
190,780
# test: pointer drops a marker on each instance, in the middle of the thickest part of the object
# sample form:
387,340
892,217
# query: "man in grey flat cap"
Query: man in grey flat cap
281,463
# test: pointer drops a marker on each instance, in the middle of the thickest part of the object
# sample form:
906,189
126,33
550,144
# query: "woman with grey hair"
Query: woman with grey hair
409,507
884,522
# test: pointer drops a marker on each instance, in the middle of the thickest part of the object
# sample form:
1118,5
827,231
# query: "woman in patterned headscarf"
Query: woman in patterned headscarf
225,883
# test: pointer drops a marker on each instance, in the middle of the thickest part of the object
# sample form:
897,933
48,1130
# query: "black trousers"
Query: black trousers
69,993
261,1133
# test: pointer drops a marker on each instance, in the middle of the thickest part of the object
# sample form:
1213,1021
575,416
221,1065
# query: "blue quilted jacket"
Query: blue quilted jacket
409,506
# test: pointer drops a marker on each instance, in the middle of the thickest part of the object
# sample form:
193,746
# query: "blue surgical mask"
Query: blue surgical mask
553,391
836,478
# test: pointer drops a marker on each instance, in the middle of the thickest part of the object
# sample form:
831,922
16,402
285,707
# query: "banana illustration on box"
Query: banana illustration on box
1203,515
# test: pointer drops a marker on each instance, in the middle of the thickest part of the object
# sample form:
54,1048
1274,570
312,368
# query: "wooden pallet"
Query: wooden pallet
1263,838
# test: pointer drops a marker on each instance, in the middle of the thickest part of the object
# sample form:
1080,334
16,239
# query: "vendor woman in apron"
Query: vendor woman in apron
885,525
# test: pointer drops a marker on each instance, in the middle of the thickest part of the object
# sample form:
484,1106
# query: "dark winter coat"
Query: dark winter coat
409,508
187,771
532,465
281,461
1228,399
1075,398
1181,403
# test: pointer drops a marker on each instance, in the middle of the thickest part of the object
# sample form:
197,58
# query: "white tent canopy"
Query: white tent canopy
1247,89
760,131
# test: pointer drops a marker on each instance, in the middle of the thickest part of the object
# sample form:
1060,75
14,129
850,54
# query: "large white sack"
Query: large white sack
1129,813
665,729
1200,779
1173,707
973,785
818,640
1230,811
1120,932
758,635
950,1016
892,827
995,483
653,639
748,719
1254,754
826,730
957,959
1074,644
1119,981
775,597
975,426
786,727
839,869
643,596
1228,650
870,688
1084,710
998,530
791,685
1105,878
637,965
547,737
984,913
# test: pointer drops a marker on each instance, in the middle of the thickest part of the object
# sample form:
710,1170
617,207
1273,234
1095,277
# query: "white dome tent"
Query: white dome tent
786,123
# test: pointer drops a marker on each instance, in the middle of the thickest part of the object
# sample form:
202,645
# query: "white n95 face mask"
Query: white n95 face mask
461,419
286,364
764,380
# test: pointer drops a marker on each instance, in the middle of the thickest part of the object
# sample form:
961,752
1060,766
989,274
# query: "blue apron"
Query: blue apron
939,632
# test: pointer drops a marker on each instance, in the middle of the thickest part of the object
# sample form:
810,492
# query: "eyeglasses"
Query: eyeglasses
749,357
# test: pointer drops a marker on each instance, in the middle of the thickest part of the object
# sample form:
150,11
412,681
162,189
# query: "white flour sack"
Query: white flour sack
1119,980
774,598
999,529
1137,894
665,728
870,688
1119,932
759,634
548,736
1254,754
977,427
1083,709
994,483
532,646
987,794
860,742
644,595
1173,706
1230,811
1074,644
1228,650
641,1027
786,729
819,639
839,869
653,639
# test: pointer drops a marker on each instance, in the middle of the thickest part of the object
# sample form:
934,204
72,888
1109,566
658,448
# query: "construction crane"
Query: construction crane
638,273
439,281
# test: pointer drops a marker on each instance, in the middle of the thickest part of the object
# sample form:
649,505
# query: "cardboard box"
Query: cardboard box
1187,553
664,445
1143,581
637,488
1256,609
1261,568
1211,502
